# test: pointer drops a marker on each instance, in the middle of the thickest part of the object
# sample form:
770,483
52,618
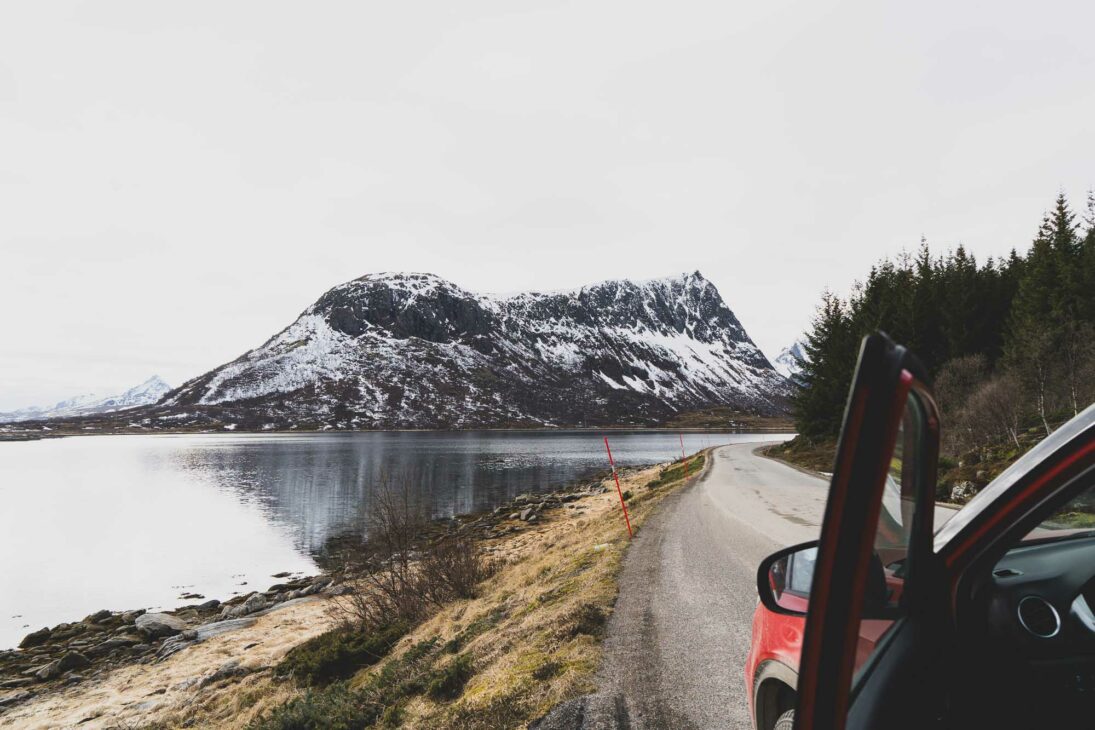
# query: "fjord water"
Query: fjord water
124,522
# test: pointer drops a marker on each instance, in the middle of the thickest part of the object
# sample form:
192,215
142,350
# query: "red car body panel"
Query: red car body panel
778,638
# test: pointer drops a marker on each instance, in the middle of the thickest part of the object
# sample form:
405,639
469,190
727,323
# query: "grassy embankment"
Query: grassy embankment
528,639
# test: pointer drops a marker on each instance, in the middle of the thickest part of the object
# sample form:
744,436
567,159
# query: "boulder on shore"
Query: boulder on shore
254,602
72,660
35,638
159,624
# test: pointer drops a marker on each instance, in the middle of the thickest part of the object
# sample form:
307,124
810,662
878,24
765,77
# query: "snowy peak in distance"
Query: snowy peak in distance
790,359
147,393
413,350
150,391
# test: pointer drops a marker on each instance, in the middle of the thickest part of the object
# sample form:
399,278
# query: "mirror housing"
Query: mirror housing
784,579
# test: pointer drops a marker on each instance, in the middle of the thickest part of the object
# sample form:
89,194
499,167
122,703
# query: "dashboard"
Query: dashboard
1042,606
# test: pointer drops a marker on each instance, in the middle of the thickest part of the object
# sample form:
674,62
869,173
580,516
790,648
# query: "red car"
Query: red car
887,622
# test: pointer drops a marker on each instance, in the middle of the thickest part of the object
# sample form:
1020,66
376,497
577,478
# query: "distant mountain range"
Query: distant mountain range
790,359
394,351
416,351
148,392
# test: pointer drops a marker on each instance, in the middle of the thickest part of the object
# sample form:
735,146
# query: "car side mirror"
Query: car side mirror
784,579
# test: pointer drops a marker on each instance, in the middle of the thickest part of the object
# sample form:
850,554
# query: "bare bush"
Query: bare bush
387,590
995,410
399,576
452,568
1078,365
957,381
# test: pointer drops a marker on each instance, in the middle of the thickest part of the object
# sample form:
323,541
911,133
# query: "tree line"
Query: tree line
1010,342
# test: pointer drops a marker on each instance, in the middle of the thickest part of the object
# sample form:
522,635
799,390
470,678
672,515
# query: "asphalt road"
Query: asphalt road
678,638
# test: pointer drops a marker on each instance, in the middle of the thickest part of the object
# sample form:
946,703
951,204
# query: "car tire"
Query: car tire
786,721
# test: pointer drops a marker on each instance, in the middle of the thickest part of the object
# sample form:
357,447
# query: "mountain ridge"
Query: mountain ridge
789,361
146,393
414,350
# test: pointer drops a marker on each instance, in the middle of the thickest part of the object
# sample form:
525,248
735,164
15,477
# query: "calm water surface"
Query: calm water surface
123,522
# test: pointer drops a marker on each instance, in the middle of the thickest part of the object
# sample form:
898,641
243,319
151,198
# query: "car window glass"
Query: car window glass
884,593
1075,518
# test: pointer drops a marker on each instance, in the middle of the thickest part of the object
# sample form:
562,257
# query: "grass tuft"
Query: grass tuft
338,654
448,682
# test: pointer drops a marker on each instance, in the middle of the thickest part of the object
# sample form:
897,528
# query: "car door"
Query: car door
874,627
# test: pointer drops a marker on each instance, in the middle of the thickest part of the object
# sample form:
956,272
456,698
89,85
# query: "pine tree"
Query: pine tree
1086,304
1034,332
831,349
1066,247
927,335
961,303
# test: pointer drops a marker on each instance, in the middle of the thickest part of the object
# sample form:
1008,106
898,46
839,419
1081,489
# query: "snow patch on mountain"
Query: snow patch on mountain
147,393
790,359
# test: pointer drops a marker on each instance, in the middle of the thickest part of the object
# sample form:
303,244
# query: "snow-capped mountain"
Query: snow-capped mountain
789,361
416,351
147,393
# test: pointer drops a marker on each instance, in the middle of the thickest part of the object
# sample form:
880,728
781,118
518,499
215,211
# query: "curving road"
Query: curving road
678,638
679,635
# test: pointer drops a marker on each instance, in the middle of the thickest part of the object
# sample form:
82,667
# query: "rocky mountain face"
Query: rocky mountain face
789,361
416,351
148,392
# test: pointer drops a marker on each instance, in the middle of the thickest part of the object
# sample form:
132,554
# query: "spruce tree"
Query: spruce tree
927,335
831,350
1034,331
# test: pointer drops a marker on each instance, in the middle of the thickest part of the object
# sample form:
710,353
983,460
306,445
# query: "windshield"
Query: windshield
1076,517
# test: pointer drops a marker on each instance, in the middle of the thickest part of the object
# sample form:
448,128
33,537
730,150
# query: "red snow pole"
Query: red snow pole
619,491
682,455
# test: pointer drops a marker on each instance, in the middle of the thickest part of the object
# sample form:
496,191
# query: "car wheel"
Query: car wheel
786,721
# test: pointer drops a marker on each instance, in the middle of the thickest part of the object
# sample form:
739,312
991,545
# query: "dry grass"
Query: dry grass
534,630
800,451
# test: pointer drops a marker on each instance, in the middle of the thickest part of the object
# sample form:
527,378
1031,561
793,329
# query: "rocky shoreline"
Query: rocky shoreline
73,653
70,653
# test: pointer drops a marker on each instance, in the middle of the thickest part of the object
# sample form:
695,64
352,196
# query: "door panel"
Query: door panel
875,539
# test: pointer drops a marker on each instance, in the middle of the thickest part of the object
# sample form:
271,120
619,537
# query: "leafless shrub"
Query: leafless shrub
957,380
452,568
994,410
387,583
399,577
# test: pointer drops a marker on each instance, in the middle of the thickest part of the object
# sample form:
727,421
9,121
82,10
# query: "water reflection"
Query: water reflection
125,522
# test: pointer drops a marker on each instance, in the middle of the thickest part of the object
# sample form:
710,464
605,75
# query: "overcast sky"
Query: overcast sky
179,180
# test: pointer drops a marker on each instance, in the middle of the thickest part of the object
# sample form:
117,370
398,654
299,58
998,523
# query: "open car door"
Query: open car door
872,631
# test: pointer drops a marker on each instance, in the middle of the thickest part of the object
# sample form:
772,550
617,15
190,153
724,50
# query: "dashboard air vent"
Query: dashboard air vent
1039,617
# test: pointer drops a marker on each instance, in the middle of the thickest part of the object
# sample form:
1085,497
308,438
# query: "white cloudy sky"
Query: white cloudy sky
179,180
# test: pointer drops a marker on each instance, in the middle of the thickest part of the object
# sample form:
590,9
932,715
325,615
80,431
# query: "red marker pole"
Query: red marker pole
682,455
619,491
